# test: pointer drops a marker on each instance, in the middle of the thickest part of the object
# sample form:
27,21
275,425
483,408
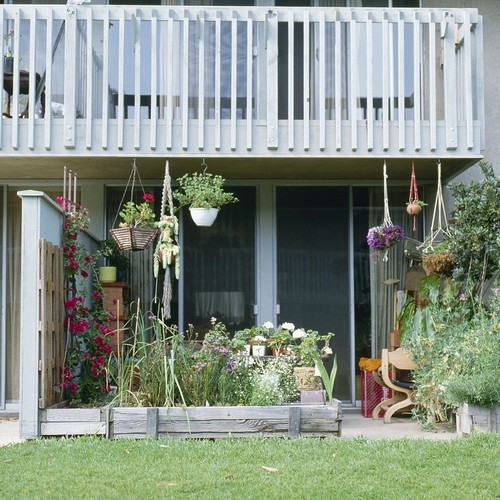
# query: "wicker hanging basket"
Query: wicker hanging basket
134,238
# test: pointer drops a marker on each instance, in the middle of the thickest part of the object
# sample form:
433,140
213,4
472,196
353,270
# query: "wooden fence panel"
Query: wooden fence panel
52,336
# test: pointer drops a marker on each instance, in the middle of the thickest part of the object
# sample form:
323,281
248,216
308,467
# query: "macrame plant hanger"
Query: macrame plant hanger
387,217
413,194
167,250
439,213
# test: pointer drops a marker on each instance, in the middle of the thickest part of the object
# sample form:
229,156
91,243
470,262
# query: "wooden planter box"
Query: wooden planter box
196,422
472,419
228,421
75,421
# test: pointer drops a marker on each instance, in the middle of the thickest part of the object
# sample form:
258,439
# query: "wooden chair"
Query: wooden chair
402,391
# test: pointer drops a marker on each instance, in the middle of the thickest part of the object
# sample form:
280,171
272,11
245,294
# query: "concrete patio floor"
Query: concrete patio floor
353,426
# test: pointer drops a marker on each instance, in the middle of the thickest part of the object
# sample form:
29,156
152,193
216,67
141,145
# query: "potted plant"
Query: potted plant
438,259
137,228
259,344
414,207
241,340
307,350
116,263
204,194
381,238
281,338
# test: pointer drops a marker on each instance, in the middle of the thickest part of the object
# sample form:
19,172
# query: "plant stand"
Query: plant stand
473,419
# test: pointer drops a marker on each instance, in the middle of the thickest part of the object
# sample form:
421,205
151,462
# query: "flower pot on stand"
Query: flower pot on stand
107,274
204,216
306,378
259,350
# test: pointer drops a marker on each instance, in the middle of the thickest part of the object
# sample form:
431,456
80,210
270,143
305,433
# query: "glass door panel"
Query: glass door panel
219,266
313,267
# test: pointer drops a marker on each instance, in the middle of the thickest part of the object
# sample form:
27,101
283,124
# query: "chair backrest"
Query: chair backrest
401,359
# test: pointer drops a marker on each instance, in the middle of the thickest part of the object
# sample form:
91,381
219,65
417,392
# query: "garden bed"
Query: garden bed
295,420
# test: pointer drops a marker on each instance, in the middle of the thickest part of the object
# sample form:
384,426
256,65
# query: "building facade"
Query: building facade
297,104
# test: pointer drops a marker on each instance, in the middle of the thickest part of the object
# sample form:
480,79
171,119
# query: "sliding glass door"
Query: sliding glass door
312,229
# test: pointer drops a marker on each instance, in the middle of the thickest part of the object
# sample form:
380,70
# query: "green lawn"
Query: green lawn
253,468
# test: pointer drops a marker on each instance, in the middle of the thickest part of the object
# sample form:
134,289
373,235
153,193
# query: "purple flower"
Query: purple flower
382,237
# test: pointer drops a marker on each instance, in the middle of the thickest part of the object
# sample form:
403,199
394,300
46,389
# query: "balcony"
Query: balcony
283,83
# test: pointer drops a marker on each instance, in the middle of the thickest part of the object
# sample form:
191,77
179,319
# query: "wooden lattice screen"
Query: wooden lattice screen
52,334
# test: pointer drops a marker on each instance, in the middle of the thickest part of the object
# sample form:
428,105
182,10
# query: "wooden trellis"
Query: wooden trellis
52,335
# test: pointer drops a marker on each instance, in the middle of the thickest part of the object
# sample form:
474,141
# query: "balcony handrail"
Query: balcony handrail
330,80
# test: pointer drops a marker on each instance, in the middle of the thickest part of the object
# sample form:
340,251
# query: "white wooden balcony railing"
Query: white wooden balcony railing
242,81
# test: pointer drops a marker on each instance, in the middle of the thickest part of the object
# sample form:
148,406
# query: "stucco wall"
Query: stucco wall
490,11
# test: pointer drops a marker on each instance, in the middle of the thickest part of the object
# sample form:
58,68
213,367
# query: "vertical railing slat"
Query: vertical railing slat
369,82
401,82
136,20
121,78
479,82
338,82
234,77
14,105
450,79
185,80
154,78
70,61
417,124
307,94
249,115
218,31
468,97
170,82
89,81
48,79
432,84
353,83
322,81
385,82
105,79
201,80
32,81
272,79
291,80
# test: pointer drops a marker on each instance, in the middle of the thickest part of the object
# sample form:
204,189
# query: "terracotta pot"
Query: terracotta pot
414,208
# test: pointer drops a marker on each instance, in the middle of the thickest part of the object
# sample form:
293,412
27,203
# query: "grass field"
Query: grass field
253,468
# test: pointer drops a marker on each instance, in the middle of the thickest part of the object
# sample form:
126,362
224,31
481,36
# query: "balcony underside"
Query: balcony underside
248,160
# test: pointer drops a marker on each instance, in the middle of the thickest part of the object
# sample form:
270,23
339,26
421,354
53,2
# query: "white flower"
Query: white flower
259,339
299,334
213,320
326,350
268,325
288,326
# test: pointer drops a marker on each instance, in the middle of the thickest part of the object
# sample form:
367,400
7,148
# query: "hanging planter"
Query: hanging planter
137,228
414,205
134,238
381,238
205,193
203,216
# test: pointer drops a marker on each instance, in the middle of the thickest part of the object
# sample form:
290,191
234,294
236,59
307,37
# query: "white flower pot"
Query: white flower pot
204,216
247,349
259,350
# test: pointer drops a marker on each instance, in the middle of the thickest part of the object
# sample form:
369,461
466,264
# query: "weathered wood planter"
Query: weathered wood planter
196,422
472,419
75,421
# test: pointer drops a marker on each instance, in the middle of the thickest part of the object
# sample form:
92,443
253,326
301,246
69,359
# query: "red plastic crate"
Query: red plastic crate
371,394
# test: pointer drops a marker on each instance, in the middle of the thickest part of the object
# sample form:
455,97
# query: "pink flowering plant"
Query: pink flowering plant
84,377
139,214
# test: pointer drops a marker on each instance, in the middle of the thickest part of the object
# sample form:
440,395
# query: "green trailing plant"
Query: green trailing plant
203,191
475,235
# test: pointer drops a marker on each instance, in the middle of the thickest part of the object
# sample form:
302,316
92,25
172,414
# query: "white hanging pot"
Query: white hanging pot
204,216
